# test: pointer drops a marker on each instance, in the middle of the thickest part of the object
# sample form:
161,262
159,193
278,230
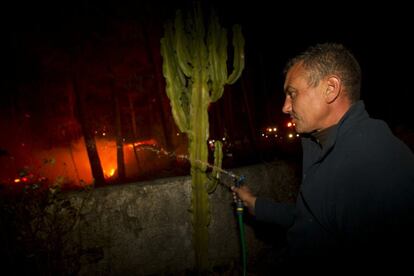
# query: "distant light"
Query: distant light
289,124
103,134
178,134
290,135
263,134
17,180
274,129
297,135
224,138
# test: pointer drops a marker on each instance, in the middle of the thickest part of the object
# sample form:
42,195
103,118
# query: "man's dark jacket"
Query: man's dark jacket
357,194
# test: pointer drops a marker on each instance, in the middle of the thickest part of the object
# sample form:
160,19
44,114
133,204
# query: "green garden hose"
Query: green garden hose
239,212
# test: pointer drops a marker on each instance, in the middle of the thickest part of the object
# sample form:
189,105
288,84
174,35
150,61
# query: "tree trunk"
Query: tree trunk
154,59
245,87
88,135
119,141
134,127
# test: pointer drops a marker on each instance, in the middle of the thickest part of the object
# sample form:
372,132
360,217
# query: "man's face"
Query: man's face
306,105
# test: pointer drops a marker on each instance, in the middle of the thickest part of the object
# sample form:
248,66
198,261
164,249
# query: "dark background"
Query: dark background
380,36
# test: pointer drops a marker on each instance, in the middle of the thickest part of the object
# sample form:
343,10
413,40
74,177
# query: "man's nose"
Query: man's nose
287,106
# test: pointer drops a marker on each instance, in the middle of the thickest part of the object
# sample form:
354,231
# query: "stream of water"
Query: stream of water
187,158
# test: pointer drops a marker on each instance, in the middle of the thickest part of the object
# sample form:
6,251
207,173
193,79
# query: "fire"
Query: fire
149,142
72,162
110,174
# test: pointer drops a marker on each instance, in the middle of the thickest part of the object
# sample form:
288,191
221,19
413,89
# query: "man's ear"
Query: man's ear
333,89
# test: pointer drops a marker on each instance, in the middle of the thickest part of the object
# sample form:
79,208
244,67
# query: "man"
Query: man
356,201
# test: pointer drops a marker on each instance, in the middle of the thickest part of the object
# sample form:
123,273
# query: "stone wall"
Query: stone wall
144,228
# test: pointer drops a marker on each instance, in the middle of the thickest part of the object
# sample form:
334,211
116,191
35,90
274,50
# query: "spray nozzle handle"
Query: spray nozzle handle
239,204
239,181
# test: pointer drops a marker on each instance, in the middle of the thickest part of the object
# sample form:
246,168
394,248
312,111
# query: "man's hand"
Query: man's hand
246,196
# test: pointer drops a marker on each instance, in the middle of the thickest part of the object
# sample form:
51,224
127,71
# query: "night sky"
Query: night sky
380,37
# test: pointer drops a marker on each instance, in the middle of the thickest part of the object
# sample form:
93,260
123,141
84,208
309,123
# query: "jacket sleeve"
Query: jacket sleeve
267,210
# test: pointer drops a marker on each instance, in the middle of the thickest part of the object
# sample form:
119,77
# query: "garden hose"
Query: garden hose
239,212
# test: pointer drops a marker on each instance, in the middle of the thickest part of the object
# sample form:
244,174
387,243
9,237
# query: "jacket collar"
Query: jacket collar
355,113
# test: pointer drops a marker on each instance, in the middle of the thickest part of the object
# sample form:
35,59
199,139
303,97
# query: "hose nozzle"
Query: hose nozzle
239,181
239,204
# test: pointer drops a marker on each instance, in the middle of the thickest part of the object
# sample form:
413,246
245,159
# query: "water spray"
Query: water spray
185,157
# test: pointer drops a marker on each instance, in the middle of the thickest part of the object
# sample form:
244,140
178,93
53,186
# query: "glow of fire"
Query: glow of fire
149,142
110,174
72,162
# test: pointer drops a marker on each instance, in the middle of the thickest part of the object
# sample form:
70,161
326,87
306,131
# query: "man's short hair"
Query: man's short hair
331,58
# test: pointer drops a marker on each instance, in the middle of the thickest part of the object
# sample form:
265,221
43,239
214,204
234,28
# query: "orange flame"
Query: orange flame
73,164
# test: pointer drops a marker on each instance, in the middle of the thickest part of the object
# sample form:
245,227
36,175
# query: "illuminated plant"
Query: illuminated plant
195,70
